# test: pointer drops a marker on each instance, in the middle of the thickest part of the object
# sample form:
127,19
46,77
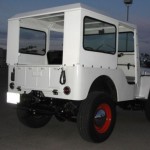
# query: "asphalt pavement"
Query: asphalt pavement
132,131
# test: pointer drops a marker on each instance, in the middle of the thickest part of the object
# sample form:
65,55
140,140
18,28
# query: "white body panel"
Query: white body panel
72,33
39,78
145,86
13,42
145,83
79,79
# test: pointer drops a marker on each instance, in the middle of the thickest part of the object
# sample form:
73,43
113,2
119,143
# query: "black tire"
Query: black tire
147,108
29,117
96,117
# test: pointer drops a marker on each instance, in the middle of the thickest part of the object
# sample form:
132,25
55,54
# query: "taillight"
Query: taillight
12,85
67,90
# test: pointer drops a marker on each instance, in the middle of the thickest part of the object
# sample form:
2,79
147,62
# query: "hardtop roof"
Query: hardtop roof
51,10
64,8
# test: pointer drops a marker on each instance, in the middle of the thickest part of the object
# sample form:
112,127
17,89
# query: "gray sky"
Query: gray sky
139,14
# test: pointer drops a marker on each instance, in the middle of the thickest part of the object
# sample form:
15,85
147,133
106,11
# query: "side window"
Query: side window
99,36
32,42
126,42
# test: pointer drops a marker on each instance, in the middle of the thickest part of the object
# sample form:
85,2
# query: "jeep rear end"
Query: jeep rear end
76,64
43,58
40,46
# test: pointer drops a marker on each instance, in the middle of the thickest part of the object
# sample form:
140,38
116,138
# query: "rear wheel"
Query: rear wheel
29,116
96,117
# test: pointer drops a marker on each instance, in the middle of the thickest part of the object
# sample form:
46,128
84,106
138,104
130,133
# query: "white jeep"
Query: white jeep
76,64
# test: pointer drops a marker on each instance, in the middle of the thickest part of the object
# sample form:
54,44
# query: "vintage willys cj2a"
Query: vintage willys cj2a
76,64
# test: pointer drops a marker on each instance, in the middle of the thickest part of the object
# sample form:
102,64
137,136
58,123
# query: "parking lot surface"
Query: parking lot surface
132,131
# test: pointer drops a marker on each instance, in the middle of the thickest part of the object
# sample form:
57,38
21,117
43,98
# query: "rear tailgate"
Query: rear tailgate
37,77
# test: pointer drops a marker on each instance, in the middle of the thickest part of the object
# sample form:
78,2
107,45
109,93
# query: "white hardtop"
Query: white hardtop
57,9
64,8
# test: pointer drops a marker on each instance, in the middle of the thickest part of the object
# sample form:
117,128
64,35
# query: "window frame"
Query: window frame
44,44
96,34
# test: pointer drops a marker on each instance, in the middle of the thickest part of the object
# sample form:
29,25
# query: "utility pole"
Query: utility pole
128,3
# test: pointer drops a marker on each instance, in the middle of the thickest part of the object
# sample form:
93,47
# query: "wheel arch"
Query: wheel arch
104,83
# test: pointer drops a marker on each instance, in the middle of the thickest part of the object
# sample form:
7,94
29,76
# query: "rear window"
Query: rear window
32,42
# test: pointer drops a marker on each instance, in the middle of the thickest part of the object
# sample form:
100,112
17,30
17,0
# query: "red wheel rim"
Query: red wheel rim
102,118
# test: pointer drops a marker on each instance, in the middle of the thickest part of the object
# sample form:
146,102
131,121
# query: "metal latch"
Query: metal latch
55,92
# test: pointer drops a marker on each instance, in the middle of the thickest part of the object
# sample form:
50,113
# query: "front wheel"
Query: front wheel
96,117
